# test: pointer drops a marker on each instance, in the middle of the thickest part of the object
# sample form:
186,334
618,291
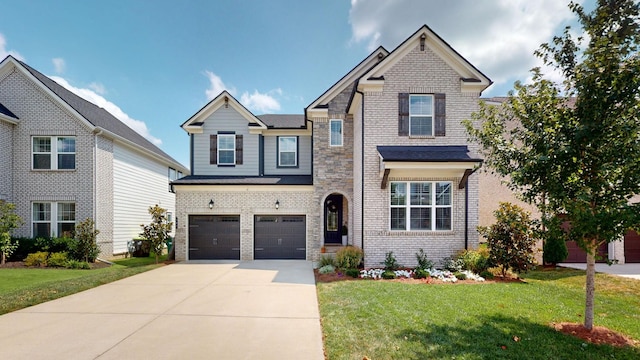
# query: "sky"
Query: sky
155,63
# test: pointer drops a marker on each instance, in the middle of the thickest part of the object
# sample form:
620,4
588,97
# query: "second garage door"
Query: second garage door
214,237
280,237
632,247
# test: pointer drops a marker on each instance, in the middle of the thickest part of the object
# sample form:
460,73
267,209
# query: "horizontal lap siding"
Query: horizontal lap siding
139,182
271,157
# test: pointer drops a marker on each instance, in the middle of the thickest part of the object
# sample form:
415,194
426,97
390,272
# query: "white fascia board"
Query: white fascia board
242,188
9,119
461,165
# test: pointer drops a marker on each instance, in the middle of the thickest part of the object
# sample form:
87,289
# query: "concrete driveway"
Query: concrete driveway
631,270
195,310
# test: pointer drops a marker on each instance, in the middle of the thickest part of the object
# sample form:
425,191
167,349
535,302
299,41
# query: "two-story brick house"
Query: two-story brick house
382,151
64,159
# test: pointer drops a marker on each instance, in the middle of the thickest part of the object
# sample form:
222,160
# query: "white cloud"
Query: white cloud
498,38
4,52
139,126
59,65
98,87
256,101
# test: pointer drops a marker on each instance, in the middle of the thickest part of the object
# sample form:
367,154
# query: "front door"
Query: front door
333,219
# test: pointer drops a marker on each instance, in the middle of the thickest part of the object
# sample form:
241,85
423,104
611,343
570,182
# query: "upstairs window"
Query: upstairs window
287,151
421,206
420,115
335,135
172,176
54,152
226,149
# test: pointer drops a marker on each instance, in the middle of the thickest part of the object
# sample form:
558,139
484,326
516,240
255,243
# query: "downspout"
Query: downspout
361,169
466,209
95,172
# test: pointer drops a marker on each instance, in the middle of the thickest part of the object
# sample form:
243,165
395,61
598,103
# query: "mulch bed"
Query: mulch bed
337,276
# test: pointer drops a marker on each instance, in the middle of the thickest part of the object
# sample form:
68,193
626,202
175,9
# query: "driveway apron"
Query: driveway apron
194,310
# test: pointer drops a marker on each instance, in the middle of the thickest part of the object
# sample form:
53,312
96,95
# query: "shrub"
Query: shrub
487,274
390,263
423,262
57,259
327,269
157,232
388,274
8,221
420,273
460,276
454,264
327,260
475,261
86,248
510,239
349,257
354,273
37,259
554,249
75,264
26,246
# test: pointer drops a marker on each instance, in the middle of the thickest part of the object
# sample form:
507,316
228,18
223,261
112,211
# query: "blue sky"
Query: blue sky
154,63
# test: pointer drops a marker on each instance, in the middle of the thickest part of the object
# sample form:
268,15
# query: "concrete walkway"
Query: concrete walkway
631,270
195,310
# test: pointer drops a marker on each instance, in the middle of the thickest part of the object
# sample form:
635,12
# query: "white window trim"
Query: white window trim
408,206
341,143
220,136
417,115
295,152
53,217
53,154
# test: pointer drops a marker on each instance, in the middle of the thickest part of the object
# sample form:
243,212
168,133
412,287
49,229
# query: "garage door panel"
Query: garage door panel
214,237
280,237
632,247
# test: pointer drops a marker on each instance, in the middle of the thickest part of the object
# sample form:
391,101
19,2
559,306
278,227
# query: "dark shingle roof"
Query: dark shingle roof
245,180
7,112
283,121
428,154
98,116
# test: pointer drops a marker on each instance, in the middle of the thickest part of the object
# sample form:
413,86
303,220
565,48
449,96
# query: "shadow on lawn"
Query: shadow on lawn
551,274
502,337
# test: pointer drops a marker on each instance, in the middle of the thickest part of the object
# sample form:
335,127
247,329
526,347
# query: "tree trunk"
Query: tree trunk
591,286
3,258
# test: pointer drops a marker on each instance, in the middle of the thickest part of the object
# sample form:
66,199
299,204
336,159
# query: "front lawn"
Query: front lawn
394,320
23,287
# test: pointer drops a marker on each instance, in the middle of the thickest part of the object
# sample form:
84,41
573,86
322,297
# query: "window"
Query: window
420,115
60,156
53,219
421,206
335,128
226,149
287,151
172,177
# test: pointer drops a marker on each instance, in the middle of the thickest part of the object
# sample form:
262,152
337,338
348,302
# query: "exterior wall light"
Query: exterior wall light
277,204
211,204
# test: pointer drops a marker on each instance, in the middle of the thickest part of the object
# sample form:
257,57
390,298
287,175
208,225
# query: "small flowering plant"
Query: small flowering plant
444,275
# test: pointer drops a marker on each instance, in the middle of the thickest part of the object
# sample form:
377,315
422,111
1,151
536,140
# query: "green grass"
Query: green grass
20,288
393,320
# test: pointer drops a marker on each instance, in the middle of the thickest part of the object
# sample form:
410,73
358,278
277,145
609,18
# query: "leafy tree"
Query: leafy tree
8,221
157,232
581,159
510,239
85,247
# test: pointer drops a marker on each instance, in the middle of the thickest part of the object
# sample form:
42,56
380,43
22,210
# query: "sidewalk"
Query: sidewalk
626,270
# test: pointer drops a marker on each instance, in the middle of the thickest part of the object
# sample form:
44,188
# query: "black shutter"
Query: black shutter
440,115
213,149
403,114
238,149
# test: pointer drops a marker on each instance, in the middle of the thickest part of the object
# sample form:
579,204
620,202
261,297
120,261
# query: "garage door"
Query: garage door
280,237
632,247
214,237
577,255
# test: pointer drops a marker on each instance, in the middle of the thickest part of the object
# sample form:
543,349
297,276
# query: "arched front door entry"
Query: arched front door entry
333,217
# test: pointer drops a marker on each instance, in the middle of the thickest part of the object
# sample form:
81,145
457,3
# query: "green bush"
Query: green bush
85,246
454,264
349,257
327,260
57,259
423,262
475,261
487,274
421,274
37,259
554,249
354,273
75,264
460,276
388,274
327,269
26,246
390,263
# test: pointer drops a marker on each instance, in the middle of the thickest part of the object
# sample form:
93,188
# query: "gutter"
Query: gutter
95,172
361,170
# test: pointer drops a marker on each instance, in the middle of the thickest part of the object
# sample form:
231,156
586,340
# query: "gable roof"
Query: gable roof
93,115
471,78
195,122
283,121
7,115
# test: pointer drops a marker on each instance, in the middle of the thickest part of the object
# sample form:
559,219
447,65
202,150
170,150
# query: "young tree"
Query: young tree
8,221
85,247
510,239
580,159
157,232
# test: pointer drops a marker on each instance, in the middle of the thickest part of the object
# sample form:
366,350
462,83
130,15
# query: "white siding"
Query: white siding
138,183
225,119
271,157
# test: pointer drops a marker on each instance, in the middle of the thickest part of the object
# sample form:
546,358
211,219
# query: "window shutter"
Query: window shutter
238,149
440,114
213,149
403,114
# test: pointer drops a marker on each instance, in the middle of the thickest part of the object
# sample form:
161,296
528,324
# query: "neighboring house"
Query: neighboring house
64,159
382,151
